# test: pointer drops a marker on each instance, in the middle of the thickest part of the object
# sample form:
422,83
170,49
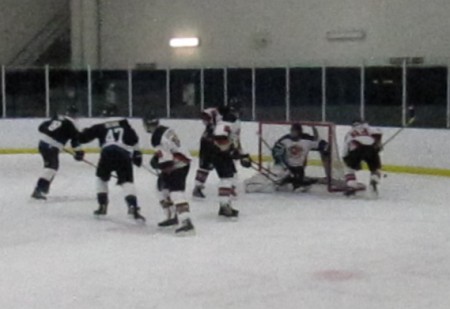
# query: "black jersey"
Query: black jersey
57,131
116,132
158,135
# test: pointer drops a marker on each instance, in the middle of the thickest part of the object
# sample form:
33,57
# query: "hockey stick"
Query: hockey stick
85,161
411,120
263,168
148,169
264,174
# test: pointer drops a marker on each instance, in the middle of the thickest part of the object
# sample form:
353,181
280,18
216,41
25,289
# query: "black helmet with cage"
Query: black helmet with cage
151,122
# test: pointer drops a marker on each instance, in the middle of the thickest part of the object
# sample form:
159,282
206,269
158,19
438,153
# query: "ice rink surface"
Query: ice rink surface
313,250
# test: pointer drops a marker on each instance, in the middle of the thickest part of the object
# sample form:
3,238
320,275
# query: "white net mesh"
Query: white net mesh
331,174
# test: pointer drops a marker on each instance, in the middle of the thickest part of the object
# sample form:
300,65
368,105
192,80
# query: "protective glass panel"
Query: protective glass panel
383,96
240,91
306,94
149,93
110,87
184,93
271,94
213,87
343,95
68,88
427,92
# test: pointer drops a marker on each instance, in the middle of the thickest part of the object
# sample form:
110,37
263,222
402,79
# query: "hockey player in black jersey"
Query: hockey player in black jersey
55,133
173,161
119,150
291,153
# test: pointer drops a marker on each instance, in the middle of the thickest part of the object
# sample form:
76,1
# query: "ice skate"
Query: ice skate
197,192
169,222
102,210
134,211
374,181
38,195
226,210
186,228
353,188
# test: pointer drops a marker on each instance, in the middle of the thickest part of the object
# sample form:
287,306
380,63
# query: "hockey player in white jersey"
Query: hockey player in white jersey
362,144
290,155
227,149
173,161
210,117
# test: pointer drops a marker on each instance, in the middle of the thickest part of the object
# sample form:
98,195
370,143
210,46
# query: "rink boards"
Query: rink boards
417,151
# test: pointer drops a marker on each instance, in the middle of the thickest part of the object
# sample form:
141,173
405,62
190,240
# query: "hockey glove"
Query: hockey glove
79,155
137,158
246,161
154,162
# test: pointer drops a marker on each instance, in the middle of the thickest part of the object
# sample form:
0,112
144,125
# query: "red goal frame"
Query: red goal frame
331,139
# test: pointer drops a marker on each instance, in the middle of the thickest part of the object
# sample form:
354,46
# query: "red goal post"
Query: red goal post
332,172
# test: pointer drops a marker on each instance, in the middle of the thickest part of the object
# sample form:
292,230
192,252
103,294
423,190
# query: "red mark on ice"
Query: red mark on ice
334,275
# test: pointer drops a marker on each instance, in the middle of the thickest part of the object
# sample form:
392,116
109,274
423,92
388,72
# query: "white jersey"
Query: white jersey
169,148
361,135
231,131
294,152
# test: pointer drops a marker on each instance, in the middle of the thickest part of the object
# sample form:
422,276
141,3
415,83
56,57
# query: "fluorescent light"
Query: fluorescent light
184,42
346,35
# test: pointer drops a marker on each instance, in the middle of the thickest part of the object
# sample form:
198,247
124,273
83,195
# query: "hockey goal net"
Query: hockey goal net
329,171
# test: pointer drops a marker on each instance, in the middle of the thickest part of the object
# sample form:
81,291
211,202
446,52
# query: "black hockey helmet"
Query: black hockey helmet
151,122
358,122
228,113
296,129
110,110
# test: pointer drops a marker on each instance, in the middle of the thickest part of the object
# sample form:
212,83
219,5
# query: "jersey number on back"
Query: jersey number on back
54,125
114,135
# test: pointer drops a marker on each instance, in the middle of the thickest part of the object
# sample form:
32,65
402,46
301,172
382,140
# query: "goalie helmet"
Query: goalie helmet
296,130
151,122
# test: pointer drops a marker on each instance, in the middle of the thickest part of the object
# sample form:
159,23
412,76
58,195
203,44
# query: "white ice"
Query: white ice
313,250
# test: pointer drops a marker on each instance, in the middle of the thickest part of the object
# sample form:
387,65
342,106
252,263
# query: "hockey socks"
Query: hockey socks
102,199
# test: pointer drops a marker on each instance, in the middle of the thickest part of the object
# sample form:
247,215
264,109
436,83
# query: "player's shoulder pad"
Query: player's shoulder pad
157,135
307,137
283,138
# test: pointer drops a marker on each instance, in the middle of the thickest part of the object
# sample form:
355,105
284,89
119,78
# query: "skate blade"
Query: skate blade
228,219
140,221
99,217
189,233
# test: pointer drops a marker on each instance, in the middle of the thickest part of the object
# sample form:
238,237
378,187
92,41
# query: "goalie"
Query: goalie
290,155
